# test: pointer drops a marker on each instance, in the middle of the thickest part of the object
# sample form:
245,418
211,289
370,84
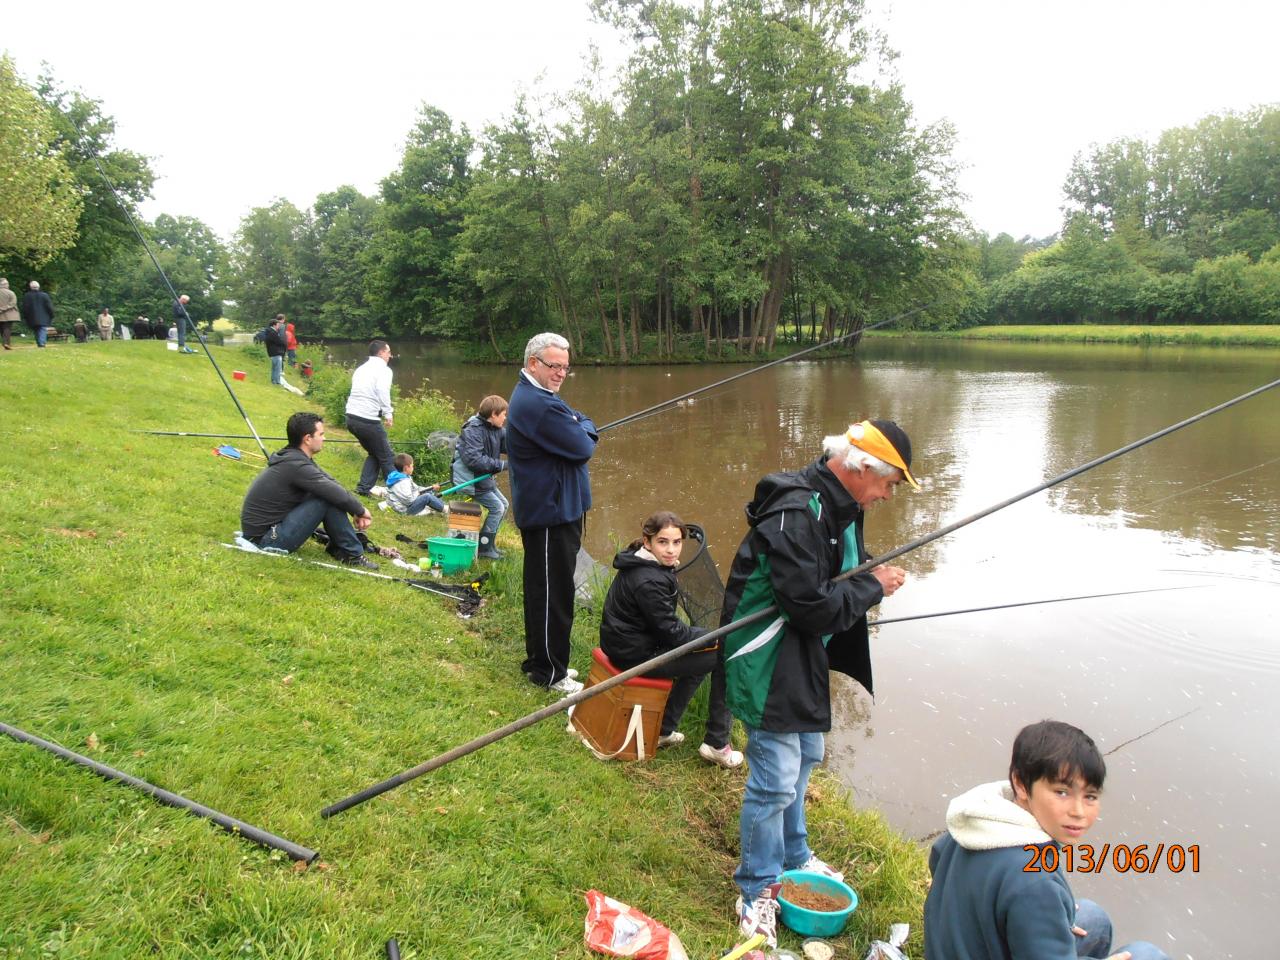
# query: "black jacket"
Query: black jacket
639,619
291,477
37,309
479,451
803,525
274,338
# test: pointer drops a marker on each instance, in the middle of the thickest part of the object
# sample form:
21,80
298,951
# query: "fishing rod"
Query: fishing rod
585,694
1027,603
230,824
659,407
182,312
245,436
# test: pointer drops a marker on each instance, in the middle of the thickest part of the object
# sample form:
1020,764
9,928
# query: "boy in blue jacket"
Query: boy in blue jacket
481,444
992,897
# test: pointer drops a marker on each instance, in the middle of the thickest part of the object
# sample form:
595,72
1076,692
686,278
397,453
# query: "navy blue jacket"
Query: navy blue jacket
479,451
548,446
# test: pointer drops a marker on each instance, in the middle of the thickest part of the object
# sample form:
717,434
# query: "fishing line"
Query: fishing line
1181,716
1027,603
585,694
1201,486
245,436
658,407
182,319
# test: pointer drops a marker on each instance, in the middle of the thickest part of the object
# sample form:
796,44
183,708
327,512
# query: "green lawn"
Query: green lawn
268,688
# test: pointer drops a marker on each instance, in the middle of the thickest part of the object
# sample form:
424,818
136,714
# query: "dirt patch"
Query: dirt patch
803,895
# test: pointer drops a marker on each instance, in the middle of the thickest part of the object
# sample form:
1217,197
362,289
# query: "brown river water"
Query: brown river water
1179,688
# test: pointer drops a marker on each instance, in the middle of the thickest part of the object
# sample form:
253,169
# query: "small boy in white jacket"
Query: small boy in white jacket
405,496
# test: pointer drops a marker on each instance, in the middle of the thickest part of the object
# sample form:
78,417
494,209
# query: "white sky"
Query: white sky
239,103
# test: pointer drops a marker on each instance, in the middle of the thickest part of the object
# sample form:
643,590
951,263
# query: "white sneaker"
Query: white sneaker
814,865
567,686
571,673
378,491
672,739
761,916
725,756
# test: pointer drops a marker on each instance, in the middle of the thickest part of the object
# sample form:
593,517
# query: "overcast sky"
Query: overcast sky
239,103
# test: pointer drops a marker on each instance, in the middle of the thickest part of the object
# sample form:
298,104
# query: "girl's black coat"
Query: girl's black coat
639,619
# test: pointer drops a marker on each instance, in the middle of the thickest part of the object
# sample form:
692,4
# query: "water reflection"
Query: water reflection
1182,685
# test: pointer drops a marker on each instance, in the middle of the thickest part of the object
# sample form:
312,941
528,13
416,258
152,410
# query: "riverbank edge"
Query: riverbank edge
268,687
1254,335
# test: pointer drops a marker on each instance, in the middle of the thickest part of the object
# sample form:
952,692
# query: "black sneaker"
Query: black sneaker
360,562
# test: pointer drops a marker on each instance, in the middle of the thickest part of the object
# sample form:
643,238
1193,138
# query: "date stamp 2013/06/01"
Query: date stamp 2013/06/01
1121,858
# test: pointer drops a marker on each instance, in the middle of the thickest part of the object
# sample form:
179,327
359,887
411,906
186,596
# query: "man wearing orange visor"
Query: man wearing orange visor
806,528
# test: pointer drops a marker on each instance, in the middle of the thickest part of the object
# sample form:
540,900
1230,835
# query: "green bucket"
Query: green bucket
455,554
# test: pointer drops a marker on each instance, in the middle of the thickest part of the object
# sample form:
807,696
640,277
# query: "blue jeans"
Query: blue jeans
1096,943
277,369
771,827
300,522
42,336
496,504
427,499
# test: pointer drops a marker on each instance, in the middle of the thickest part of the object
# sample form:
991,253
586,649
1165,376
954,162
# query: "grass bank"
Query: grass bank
268,688
1224,335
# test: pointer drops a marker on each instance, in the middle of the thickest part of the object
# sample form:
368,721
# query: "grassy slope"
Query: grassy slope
1214,335
268,688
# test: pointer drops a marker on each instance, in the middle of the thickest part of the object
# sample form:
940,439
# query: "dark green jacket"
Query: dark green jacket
805,529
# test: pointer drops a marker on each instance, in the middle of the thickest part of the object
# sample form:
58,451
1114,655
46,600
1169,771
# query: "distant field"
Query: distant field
1224,335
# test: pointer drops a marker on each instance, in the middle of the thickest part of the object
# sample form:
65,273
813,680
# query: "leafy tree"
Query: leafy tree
39,204
412,281
343,228
268,256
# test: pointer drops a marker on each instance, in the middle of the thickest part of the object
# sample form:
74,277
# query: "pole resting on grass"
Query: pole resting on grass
585,694
230,824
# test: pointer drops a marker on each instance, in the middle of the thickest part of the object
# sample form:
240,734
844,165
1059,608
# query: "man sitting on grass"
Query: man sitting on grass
293,496
993,896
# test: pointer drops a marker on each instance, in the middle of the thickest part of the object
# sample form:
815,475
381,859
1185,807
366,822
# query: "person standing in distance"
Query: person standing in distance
548,446
37,311
8,311
181,318
368,405
274,339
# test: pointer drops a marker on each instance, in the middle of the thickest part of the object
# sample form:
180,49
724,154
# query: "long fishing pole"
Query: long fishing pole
230,824
659,407
585,694
182,318
245,436
1026,603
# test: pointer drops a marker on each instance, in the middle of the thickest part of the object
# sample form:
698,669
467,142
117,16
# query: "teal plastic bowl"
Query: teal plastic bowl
813,923
454,554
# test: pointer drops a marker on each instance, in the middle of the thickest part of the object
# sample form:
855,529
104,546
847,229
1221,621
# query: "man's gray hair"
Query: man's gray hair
34,285
537,344
840,449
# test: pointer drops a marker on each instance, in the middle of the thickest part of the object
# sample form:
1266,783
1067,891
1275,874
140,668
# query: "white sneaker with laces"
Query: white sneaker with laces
725,756
761,916
672,739
814,865
566,685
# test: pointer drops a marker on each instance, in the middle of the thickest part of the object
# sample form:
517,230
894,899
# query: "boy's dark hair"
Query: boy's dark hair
1051,750
377,346
302,424
402,460
490,405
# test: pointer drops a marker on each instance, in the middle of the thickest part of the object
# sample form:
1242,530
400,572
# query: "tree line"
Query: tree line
744,178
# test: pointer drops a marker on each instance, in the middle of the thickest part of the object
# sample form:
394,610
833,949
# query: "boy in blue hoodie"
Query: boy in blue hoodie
405,496
992,898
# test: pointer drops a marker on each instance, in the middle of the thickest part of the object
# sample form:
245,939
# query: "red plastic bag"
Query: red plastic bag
618,930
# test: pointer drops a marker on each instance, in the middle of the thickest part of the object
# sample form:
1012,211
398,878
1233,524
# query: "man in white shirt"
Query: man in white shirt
367,407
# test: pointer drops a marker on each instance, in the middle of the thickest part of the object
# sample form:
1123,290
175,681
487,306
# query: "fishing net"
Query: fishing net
442,441
590,581
698,583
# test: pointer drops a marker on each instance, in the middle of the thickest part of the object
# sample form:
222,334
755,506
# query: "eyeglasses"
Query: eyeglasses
553,367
